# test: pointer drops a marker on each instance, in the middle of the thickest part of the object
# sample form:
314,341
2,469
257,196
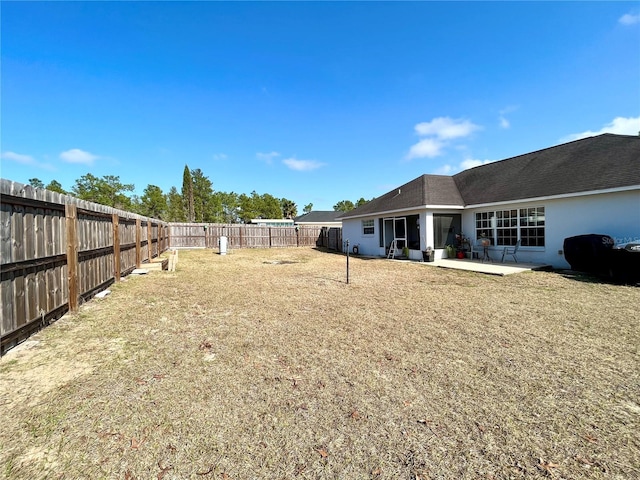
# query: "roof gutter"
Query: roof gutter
404,210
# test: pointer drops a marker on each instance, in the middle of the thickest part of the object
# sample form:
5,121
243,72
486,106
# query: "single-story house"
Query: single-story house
319,218
537,199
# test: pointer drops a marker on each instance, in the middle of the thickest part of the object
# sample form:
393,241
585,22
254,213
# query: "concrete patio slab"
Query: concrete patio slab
491,268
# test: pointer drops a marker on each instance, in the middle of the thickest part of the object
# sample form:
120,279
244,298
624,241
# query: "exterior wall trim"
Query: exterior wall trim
554,197
387,213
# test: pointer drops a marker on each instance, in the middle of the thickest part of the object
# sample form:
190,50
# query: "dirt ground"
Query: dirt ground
266,364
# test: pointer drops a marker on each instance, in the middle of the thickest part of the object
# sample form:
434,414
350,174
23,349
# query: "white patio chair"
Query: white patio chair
511,251
475,250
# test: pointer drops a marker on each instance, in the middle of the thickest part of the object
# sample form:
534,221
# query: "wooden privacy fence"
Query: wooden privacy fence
202,235
58,250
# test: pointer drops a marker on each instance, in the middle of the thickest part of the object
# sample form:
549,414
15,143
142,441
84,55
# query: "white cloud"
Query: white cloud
440,133
444,170
267,157
75,155
446,128
302,165
19,158
427,147
220,156
472,162
629,19
619,125
25,160
504,121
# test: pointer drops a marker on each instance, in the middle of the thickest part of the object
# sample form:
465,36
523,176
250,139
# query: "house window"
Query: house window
506,227
368,227
484,228
532,226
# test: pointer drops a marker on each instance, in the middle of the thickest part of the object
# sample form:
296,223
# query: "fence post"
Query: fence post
138,250
269,237
71,221
116,247
149,240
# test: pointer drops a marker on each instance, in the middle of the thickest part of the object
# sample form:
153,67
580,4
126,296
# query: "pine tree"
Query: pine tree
187,194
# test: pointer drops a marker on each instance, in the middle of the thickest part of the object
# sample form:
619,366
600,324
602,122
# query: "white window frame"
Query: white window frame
498,225
368,227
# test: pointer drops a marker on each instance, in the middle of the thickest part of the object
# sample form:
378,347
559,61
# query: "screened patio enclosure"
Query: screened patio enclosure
404,230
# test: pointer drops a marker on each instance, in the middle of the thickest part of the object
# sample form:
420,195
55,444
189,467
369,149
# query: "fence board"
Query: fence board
19,313
17,230
7,296
29,234
30,295
5,233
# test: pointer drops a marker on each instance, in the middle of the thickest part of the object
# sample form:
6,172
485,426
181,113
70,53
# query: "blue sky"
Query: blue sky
313,101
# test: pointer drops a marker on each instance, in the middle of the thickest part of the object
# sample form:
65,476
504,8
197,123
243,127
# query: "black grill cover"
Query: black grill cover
589,253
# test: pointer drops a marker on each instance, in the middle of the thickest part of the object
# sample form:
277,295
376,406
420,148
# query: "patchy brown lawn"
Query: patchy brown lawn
266,364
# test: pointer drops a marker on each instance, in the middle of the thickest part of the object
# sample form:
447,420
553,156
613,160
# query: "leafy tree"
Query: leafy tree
107,190
55,186
289,208
246,207
360,202
153,202
203,202
214,209
175,207
187,194
227,207
270,206
258,206
135,205
307,208
344,206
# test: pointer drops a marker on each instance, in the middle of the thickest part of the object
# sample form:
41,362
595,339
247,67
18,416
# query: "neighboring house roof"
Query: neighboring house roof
319,216
596,163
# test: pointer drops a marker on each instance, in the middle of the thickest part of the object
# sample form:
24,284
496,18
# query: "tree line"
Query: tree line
196,201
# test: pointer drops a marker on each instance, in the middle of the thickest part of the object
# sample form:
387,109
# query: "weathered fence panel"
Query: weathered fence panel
202,235
187,235
256,236
56,249
331,238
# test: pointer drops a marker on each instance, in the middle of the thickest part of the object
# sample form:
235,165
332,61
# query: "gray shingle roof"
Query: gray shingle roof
318,216
424,190
595,163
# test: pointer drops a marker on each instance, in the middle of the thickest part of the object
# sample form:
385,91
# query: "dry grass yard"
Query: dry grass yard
265,364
